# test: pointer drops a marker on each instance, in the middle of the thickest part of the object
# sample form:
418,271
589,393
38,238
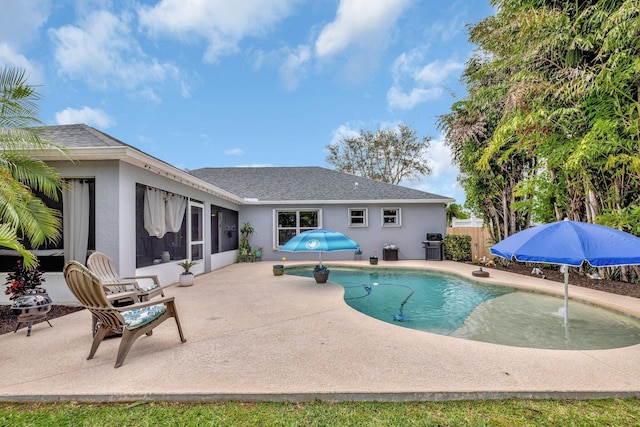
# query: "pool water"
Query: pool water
451,305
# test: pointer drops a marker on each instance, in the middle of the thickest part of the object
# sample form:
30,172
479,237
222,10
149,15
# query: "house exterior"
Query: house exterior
281,202
147,215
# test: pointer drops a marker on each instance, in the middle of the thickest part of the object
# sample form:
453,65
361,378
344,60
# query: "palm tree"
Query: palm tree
454,210
23,216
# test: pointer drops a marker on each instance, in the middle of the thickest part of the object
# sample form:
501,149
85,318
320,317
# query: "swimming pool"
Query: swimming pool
450,305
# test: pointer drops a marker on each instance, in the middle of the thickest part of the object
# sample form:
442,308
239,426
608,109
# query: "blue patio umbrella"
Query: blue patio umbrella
319,240
571,243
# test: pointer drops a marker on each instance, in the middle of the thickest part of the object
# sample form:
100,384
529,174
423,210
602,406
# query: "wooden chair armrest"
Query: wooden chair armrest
126,282
120,296
153,277
149,303
114,288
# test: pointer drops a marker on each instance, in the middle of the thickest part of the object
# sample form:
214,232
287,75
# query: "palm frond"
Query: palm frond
9,239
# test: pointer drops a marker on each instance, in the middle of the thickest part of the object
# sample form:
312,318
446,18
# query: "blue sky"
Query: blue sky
225,83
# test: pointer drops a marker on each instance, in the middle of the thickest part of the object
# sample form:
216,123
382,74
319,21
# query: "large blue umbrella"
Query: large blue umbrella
319,240
571,243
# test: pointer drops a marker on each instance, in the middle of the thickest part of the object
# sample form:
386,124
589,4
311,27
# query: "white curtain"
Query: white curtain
175,208
155,212
75,220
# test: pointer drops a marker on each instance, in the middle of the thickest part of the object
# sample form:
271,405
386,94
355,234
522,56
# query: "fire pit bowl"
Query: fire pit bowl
31,307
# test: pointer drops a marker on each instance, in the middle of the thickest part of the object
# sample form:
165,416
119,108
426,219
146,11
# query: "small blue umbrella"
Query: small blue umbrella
571,243
319,240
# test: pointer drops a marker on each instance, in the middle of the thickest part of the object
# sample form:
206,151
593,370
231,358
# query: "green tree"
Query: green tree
390,155
23,216
551,125
455,210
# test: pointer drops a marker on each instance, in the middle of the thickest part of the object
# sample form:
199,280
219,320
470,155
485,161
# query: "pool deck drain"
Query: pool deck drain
253,336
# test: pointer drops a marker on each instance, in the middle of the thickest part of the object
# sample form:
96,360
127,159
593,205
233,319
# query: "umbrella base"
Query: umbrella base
480,273
321,277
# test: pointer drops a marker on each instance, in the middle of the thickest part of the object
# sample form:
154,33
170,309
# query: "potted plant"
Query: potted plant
358,254
186,278
30,301
244,248
320,273
258,254
278,269
22,280
373,260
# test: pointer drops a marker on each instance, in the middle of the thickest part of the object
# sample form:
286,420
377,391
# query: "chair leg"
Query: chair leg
97,339
174,312
127,341
182,338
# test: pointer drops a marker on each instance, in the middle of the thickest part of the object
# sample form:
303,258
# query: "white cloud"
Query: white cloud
345,131
102,51
436,72
21,20
85,115
424,81
294,67
221,23
440,159
9,57
359,23
444,177
397,99
234,152
359,33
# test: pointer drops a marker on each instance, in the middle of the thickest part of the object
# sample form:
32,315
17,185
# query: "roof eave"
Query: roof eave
250,201
137,158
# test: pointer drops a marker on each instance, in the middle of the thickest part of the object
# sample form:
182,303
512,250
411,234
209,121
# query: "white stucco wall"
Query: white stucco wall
115,193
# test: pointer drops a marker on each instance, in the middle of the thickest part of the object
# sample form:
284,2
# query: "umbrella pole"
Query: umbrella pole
566,295
320,255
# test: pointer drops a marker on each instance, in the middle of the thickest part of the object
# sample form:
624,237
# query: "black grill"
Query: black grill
434,237
433,247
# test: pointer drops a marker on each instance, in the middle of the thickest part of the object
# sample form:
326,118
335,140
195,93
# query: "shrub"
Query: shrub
457,248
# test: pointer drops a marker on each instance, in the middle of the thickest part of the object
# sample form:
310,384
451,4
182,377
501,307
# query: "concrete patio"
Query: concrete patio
252,336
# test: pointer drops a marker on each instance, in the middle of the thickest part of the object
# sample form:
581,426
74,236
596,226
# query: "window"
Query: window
172,239
78,223
391,217
358,217
290,223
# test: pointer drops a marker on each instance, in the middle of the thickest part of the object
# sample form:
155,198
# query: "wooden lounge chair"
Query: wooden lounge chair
103,267
131,321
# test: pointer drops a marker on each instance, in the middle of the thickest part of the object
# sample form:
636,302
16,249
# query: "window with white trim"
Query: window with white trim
358,217
291,222
391,217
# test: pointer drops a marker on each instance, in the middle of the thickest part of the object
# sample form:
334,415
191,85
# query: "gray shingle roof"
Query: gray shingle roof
79,136
306,184
83,136
273,184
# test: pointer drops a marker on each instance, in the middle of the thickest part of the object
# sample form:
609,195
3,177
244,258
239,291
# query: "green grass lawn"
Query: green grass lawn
512,412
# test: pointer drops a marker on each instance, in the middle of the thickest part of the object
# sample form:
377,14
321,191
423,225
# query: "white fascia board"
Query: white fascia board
349,202
139,159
